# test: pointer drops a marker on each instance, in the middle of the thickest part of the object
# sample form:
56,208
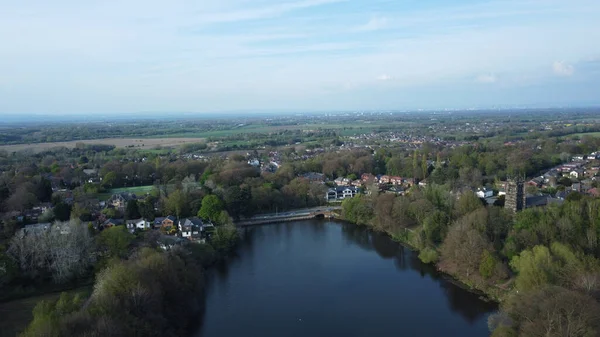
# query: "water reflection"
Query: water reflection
340,279
467,304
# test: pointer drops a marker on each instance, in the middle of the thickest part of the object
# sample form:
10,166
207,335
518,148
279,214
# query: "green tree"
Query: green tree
428,255
146,210
535,268
224,238
176,203
487,265
211,207
110,179
132,210
115,241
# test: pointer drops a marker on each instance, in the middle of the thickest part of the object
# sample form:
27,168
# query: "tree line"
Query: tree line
549,253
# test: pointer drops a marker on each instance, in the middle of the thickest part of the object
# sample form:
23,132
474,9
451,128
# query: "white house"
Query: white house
576,174
485,193
140,224
341,193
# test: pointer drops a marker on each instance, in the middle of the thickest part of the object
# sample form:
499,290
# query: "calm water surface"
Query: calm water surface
320,278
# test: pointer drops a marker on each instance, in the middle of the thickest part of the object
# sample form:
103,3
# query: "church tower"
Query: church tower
515,195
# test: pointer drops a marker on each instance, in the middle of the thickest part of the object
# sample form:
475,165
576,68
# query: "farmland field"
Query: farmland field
144,143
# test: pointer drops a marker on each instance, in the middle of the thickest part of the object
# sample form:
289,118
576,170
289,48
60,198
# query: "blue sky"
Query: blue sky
67,56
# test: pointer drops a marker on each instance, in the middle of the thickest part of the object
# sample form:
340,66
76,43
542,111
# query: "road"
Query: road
296,212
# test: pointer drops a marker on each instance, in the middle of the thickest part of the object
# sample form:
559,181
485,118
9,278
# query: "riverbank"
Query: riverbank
485,294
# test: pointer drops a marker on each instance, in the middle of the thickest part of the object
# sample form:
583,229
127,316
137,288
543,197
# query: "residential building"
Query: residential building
139,224
190,228
341,193
112,222
577,174
168,222
314,176
120,200
485,193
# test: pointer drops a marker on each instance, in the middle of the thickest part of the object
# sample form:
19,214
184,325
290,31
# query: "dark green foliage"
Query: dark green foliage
224,239
132,210
62,211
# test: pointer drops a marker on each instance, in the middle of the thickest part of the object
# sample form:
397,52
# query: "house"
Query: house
395,190
594,192
356,183
139,224
484,193
166,242
578,173
120,200
314,176
540,201
43,207
367,177
112,222
396,180
340,181
190,228
158,222
341,193
537,181
90,172
168,222
384,180
36,228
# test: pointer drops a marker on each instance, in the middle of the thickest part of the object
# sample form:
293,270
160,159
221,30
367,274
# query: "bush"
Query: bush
428,255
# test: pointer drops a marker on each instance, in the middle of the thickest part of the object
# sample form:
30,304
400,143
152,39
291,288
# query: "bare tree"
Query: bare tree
64,250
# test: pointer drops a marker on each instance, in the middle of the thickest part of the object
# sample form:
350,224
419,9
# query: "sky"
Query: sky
108,56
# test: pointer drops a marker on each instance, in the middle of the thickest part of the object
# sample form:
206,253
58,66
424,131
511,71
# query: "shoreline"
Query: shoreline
484,295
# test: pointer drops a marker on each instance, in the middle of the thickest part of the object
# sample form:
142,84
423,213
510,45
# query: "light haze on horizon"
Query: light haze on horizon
78,57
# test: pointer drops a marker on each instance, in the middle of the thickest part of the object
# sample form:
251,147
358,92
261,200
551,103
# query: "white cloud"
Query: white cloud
486,78
561,68
376,23
384,77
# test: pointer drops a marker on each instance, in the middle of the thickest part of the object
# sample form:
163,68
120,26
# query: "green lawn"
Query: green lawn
135,189
592,134
138,190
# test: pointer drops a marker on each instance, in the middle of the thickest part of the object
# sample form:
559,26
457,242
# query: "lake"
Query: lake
322,278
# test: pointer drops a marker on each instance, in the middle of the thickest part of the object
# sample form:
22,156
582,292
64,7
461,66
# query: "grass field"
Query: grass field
138,143
138,190
591,134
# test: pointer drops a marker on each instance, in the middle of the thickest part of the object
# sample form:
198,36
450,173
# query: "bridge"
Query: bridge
304,214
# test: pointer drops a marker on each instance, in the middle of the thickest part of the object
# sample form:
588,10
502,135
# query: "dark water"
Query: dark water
319,278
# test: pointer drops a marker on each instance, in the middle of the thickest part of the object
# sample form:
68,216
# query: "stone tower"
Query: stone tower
515,195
